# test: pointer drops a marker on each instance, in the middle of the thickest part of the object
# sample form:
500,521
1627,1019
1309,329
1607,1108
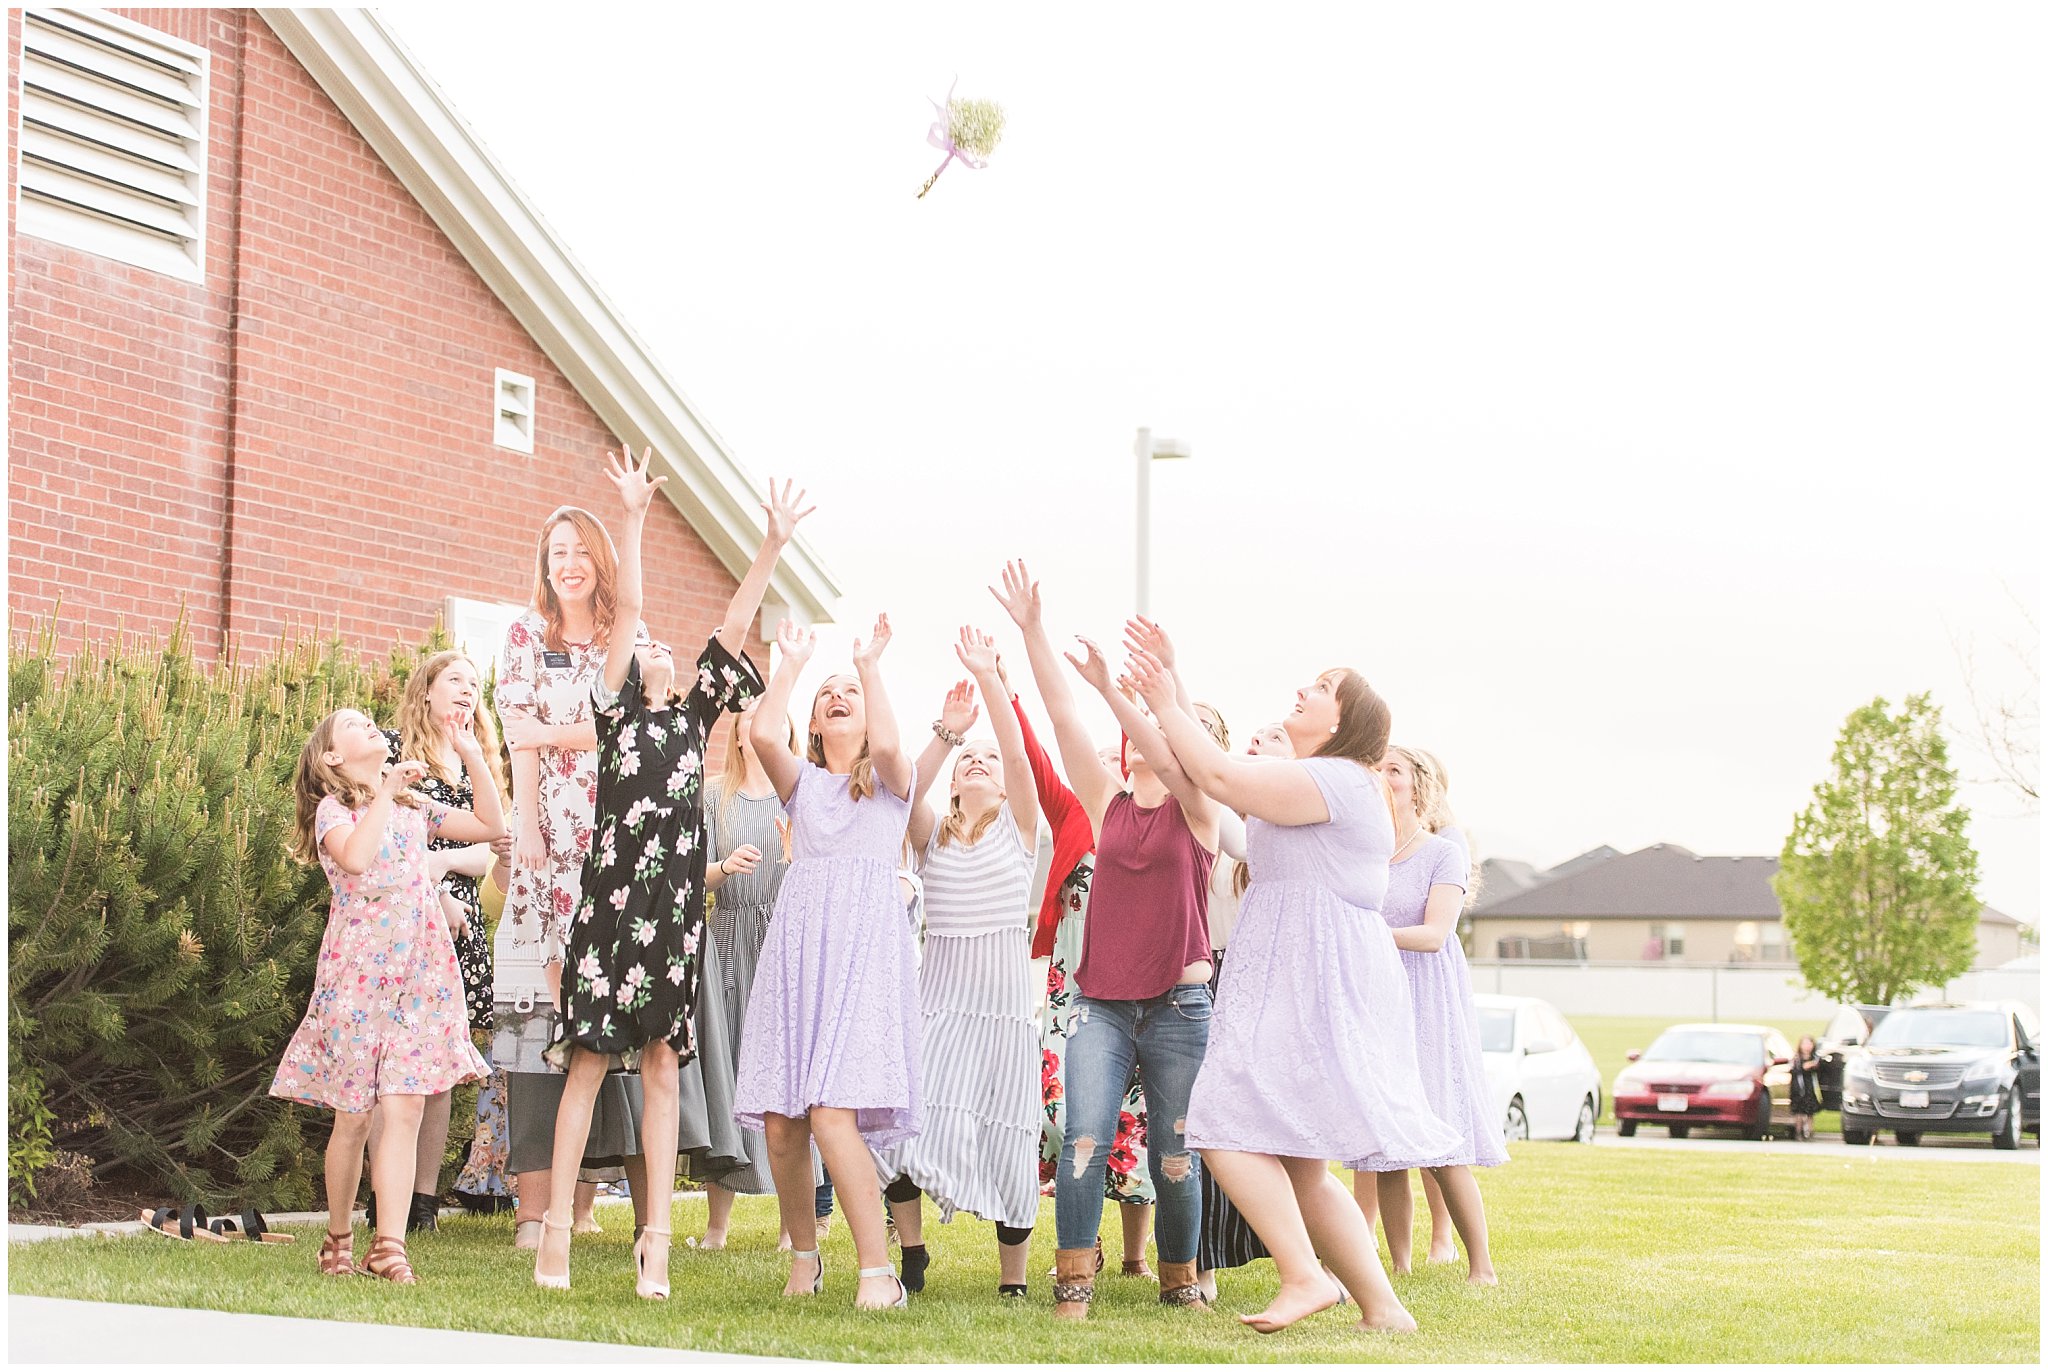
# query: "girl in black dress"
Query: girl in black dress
631,972
1805,1087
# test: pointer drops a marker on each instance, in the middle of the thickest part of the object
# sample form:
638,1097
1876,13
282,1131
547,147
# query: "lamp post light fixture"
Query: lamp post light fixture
1150,450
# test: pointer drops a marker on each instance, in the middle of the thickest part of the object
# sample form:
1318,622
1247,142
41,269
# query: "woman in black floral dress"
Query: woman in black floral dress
444,691
631,971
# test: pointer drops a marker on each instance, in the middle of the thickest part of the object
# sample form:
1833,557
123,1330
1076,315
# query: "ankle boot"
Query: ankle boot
1073,1282
1177,1285
425,1216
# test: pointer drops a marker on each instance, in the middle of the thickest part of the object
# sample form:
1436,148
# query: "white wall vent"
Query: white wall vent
113,140
512,412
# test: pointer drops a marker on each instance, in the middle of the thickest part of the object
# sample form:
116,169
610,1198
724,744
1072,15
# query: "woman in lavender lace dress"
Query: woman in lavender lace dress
1313,1051
1425,891
831,1048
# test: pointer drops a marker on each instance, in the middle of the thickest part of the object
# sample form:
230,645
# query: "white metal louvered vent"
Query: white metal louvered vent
512,411
113,139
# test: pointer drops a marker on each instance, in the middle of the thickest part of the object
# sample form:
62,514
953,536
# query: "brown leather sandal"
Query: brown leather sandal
386,1259
337,1255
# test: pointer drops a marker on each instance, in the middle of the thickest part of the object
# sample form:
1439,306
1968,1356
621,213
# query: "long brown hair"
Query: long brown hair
315,779
862,780
422,738
1364,720
604,601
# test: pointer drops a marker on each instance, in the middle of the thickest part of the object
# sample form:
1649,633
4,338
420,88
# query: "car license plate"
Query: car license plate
1913,1100
1674,1102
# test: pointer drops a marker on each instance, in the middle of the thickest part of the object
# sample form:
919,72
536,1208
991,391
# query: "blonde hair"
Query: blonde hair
422,738
1430,784
315,779
732,775
955,826
604,601
1221,733
861,782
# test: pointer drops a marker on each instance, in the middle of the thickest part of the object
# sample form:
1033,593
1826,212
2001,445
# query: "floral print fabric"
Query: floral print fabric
387,1015
632,971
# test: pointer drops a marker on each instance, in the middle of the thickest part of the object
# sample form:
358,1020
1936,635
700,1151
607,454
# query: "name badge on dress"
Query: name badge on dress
560,660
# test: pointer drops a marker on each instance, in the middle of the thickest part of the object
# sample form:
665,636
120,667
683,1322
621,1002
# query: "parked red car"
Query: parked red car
1724,1074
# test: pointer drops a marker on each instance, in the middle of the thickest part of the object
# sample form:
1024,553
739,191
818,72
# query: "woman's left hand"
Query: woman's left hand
524,733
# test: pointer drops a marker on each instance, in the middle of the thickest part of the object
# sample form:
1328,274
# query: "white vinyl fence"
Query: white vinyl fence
1735,993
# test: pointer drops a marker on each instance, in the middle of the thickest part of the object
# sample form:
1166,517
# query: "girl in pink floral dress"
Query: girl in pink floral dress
387,1026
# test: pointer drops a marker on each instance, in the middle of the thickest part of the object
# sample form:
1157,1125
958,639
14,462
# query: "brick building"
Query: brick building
287,348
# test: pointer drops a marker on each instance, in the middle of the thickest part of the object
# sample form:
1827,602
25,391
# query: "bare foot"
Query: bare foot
1396,1320
587,1224
803,1277
714,1239
1402,1269
1481,1276
1293,1303
878,1293
783,1245
1447,1253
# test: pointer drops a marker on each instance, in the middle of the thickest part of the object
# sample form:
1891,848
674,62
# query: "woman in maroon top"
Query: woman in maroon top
1143,981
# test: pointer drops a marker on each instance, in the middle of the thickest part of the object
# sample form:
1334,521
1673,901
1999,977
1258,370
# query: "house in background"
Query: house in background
288,348
1658,904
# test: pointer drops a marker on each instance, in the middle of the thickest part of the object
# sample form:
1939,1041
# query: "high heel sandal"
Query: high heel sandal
902,1301
338,1254
646,1287
387,1259
548,1280
812,1255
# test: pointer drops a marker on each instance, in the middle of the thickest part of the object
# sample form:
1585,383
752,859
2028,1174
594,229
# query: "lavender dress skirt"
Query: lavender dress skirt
833,1019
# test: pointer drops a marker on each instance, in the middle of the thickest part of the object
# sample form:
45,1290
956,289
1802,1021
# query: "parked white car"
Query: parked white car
1542,1079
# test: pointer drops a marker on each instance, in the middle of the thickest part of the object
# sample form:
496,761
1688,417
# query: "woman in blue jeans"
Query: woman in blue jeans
1143,980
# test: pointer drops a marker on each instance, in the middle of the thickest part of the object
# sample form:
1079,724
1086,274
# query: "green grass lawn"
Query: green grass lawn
1609,1039
1605,1254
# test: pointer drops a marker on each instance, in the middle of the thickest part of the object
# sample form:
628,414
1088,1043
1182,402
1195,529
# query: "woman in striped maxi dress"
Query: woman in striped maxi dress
979,1148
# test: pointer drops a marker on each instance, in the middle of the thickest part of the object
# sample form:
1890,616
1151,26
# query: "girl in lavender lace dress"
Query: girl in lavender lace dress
1425,891
831,1048
1313,1051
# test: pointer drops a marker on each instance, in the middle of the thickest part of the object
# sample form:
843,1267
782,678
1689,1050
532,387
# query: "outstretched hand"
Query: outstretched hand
1019,595
796,641
976,650
866,655
783,514
960,712
1141,635
1093,669
635,487
1154,682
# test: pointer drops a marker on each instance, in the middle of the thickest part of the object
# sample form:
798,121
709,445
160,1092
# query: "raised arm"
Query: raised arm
636,492
767,728
783,516
885,736
977,653
1151,744
355,846
956,716
1277,790
487,821
1141,635
1091,782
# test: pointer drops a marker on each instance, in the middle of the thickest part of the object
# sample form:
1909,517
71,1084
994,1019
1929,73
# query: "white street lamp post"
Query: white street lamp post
1150,449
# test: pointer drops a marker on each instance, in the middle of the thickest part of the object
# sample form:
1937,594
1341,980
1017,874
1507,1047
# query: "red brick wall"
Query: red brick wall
304,440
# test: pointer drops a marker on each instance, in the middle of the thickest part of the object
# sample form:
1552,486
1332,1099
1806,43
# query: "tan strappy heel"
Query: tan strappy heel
647,1288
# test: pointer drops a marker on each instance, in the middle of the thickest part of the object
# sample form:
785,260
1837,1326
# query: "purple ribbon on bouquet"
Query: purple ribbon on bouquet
940,136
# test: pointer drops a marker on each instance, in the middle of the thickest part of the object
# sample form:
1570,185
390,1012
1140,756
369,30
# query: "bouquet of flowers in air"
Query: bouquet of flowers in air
967,131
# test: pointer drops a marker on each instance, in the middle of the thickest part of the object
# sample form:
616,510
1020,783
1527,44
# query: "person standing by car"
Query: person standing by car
1805,1086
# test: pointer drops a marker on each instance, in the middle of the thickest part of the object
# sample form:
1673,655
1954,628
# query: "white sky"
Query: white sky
1629,391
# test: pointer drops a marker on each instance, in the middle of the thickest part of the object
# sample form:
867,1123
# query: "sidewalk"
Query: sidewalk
40,1329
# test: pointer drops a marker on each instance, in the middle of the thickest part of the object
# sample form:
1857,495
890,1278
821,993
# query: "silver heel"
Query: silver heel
902,1301
817,1284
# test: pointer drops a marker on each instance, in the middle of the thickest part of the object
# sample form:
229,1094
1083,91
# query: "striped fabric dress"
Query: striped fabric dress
979,1148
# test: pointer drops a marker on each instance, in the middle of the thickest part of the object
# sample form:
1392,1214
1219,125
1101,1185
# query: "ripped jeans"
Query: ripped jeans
1166,1037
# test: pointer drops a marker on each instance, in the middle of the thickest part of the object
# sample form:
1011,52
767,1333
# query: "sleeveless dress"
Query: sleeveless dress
978,1151
386,1016
833,1020
739,925
1312,1045
1446,1029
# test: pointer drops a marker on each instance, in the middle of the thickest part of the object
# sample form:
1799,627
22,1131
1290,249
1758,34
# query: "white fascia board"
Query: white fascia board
399,110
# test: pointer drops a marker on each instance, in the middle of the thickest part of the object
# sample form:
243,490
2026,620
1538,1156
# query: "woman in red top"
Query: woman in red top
1143,983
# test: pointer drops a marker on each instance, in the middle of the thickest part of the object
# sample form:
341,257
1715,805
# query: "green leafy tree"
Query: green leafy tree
162,939
1877,878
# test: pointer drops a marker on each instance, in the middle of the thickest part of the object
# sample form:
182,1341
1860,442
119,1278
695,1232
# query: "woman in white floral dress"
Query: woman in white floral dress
553,654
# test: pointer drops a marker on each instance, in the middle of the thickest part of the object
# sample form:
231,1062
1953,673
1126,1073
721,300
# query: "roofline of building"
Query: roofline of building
410,124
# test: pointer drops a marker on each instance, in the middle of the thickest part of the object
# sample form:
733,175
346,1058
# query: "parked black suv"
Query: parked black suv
1946,1069
1841,1040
